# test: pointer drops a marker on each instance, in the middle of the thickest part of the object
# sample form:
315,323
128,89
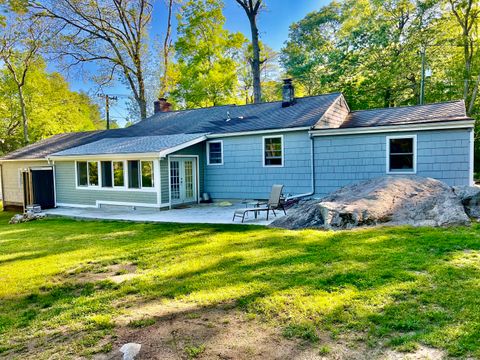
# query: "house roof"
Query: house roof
172,129
131,145
43,148
253,117
404,115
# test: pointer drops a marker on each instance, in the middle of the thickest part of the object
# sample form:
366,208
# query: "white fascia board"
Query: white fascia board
258,132
461,124
22,160
187,144
134,156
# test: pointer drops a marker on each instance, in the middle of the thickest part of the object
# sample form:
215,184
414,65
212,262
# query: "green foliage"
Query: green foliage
395,287
51,106
194,351
305,331
370,50
207,56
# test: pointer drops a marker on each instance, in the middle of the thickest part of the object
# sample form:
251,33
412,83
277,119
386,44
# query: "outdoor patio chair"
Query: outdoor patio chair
274,203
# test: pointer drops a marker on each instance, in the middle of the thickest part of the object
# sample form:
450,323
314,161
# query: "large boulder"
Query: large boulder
392,200
470,198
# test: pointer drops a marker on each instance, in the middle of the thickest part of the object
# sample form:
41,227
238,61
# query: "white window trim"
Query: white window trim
263,151
400,172
208,152
124,188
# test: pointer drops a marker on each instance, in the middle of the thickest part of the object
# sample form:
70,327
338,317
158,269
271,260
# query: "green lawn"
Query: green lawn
394,287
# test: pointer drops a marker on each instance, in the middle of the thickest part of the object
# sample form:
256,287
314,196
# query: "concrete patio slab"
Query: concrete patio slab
195,214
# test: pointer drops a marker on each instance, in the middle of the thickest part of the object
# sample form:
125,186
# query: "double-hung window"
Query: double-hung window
401,154
273,151
215,152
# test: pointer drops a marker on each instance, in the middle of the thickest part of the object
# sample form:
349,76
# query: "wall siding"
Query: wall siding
346,159
243,176
12,182
165,193
67,193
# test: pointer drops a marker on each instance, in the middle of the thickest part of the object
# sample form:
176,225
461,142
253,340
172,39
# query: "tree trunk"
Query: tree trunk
166,52
474,96
466,79
24,115
257,87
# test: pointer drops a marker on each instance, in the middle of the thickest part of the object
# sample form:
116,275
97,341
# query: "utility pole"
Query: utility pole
422,81
107,106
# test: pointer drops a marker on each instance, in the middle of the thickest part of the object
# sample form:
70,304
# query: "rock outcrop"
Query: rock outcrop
391,200
470,197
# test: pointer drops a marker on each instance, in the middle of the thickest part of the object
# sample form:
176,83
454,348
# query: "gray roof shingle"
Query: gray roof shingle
265,116
446,111
43,148
130,145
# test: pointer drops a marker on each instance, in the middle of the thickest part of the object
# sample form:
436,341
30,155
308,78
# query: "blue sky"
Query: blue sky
273,23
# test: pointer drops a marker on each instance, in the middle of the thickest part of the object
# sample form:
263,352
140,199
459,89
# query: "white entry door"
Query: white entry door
183,180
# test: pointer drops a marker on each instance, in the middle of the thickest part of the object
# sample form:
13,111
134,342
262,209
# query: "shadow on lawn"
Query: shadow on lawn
397,286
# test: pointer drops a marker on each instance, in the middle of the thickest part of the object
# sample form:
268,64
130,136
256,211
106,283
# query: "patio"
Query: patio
213,213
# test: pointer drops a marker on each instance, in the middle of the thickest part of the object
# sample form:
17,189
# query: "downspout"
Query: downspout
312,171
3,191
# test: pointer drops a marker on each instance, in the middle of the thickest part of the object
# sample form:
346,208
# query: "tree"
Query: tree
252,8
20,44
370,50
207,56
165,80
467,14
111,33
51,106
269,74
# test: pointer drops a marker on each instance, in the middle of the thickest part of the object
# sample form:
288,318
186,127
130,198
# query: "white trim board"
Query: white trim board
107,157
467,124
258,132
401,172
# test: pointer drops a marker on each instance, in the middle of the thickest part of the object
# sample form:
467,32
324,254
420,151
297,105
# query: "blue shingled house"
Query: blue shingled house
312,145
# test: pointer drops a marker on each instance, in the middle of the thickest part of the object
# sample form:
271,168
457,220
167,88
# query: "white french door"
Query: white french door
183,180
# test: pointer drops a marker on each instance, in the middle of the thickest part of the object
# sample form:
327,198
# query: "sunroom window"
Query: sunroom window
118,175
106,173
147,174
82,173
134,174
401,154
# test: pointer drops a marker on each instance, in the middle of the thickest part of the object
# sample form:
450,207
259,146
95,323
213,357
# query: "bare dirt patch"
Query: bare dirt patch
182,332
91,273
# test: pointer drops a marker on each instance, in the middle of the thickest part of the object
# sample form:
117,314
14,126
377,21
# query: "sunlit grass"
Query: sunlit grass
395,286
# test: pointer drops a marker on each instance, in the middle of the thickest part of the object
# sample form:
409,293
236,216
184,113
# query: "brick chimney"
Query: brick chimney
161,105
288,93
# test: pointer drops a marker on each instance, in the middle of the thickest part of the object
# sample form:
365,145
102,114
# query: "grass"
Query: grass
394,287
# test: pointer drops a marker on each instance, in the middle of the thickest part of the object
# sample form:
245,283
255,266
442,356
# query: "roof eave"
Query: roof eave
440,125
